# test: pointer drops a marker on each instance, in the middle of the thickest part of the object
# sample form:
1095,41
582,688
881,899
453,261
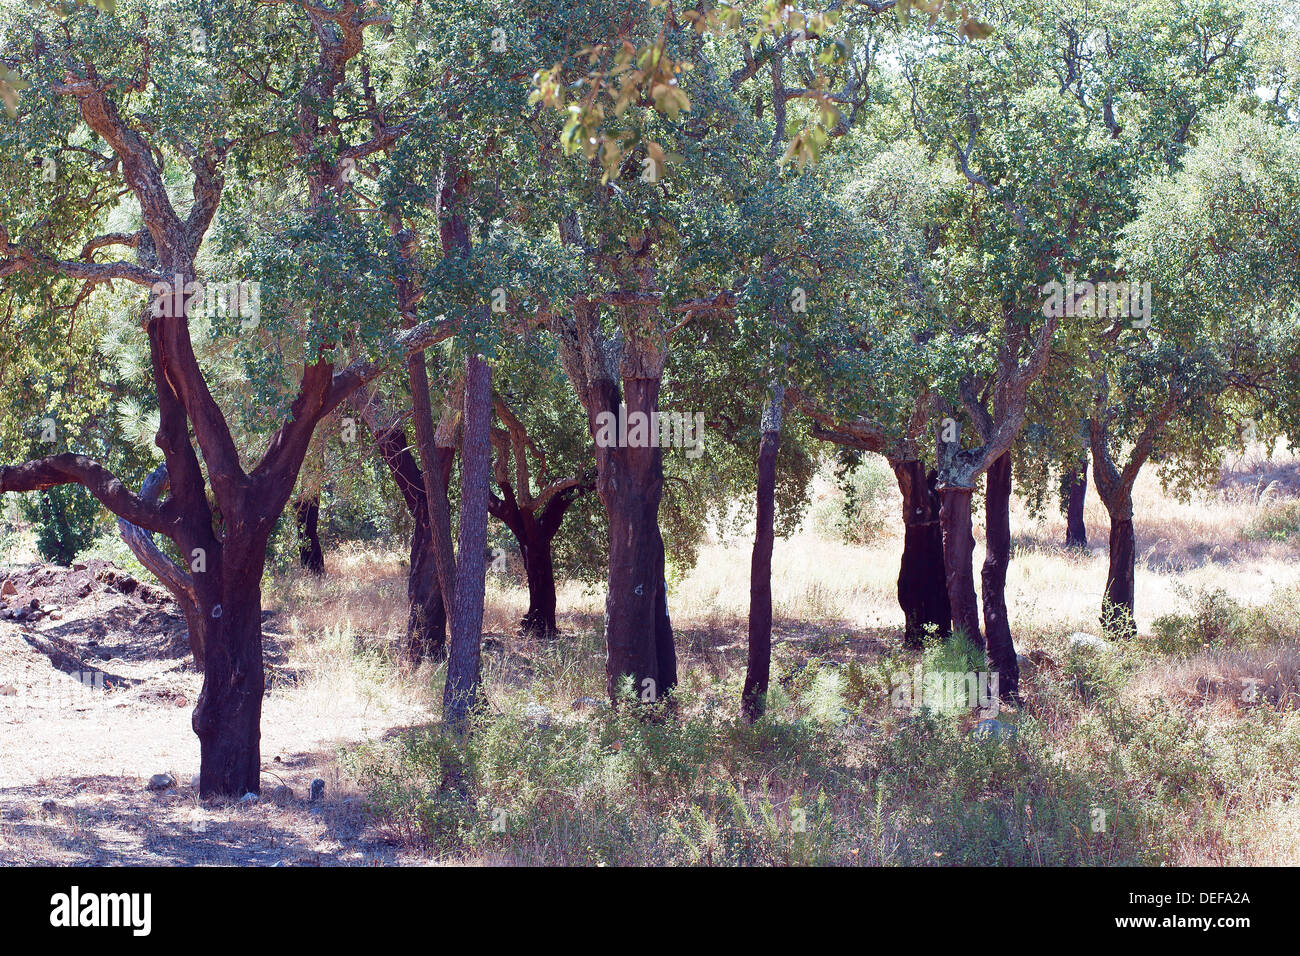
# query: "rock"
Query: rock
1081,640
56,615
317,789
248,799
78,566
49,806
282,795
7,589
990,729
194,782
161,781
537,714
8,690
34,604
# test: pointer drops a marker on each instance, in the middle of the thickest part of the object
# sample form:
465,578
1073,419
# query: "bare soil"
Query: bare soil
96,692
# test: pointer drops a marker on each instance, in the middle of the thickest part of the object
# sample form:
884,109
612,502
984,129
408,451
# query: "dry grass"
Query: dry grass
1157,734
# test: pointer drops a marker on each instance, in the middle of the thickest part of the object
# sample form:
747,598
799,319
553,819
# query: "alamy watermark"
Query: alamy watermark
945,691
653,430
1114,300
239,297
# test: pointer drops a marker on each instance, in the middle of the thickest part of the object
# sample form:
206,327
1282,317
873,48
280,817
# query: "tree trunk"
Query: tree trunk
306,513
922,588
534,534
1117,606
426,623
1076,490
958,560
758,666
993,578
426,626
638,632
228,716
461,691
539,566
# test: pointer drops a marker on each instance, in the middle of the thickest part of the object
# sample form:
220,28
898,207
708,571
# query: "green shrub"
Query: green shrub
1215,621
64,517
863,507
1279,523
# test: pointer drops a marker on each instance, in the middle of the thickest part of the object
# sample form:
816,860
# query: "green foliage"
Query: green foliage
65,521
1279,522
1215,621
865,507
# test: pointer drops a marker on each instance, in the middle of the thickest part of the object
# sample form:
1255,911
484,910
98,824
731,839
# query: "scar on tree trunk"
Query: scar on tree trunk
227,718
306,514
997,540
922,588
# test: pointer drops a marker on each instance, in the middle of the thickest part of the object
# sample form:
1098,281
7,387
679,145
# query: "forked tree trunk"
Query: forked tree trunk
638,630
539,566
461,692
958,560
306,513
922,587
535,534
993,578
1076,490
758,666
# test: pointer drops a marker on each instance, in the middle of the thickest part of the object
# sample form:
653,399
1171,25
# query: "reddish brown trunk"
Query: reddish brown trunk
958,561
1117,614
993,578
461,691
426,627
539,565
534,533
758,666
638,632
227,718
306,513
922,588
1076,490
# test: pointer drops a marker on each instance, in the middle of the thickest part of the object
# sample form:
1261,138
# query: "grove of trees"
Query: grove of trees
247,247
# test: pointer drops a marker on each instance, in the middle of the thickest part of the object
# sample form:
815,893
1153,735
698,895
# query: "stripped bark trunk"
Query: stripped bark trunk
1076,491
922,587
306,513
426,627
759,663
535,534
958,561
993,578
1119,599
638,630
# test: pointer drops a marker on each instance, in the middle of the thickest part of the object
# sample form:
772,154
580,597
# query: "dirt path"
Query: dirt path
96,693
